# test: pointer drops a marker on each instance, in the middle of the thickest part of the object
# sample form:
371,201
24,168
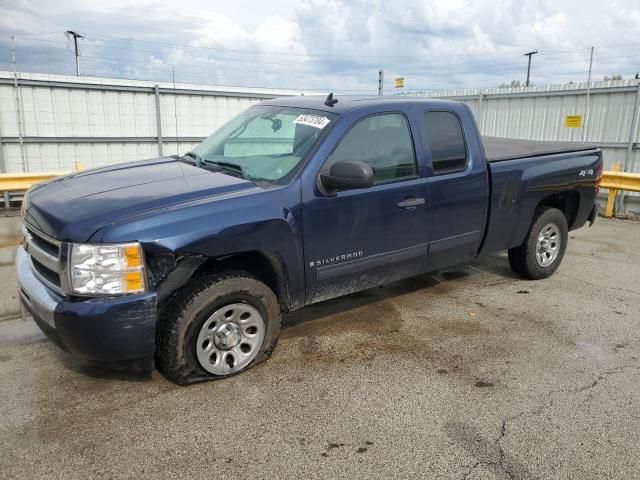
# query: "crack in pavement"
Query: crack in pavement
503,461
500,463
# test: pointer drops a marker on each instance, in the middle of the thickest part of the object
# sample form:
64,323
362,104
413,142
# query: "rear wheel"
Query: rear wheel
543,248
219,325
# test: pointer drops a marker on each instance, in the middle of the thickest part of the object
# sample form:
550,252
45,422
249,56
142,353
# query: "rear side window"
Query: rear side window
445,141
384,142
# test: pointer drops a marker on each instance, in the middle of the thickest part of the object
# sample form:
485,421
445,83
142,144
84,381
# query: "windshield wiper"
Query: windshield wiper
229,167
196,157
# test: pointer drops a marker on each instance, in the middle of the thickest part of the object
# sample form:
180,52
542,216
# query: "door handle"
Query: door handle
411,203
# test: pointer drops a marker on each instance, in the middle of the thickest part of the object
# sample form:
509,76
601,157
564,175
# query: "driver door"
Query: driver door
362,238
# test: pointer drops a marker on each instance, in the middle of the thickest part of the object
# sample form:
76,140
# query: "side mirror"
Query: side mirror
348,174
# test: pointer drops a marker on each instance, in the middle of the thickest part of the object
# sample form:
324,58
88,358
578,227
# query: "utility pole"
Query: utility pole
529,54
76,36
586,103
380,81
175,106
18,102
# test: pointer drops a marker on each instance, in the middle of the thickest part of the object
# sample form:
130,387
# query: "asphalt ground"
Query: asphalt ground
466,373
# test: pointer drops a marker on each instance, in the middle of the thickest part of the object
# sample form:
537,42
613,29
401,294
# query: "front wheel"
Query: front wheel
219,325
543,248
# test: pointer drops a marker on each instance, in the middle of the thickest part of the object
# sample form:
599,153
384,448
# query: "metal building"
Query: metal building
50,122
606,113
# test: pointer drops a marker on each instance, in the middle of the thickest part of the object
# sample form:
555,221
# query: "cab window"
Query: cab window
445,141
384,142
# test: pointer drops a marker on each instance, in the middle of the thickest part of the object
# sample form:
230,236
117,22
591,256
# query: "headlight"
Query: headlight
107,269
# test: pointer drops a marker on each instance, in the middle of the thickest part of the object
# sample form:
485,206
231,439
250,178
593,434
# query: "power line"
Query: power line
208,77
336,71
426,69
585,49
515,47
203,67
321,70
261,52
214,65
253,61
308,54
30,34
429,68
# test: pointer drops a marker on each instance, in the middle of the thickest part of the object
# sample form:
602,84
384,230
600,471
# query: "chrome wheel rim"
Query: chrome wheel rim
230,339
548,245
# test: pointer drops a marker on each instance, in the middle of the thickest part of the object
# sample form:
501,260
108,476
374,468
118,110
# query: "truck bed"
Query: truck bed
498,149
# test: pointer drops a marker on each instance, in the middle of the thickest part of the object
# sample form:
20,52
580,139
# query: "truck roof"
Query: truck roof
496,148
349,102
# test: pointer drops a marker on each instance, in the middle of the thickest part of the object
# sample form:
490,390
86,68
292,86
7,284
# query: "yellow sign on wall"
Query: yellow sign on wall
573,121
399,82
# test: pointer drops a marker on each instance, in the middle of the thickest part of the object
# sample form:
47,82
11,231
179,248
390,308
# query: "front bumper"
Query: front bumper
107,329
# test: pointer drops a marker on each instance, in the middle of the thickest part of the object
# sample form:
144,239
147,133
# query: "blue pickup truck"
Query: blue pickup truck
186,262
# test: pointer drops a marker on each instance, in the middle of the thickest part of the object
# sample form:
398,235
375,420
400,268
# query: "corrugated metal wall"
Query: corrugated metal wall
62,120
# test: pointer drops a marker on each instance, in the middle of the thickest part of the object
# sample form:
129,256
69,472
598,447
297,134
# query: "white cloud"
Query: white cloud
332,44
277,34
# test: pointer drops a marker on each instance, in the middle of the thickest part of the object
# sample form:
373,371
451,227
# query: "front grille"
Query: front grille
48,274
47,246
45,256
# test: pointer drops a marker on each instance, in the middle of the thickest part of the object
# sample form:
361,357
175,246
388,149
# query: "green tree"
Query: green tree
514,83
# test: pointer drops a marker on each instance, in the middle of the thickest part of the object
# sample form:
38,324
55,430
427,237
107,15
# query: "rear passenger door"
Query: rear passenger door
457,177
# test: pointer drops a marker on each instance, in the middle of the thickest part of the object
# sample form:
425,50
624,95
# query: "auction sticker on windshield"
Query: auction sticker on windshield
315,121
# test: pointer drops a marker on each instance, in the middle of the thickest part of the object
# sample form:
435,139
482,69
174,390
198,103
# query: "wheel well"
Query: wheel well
265,266
567,202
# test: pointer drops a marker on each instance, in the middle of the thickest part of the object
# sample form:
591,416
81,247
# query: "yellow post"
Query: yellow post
611,199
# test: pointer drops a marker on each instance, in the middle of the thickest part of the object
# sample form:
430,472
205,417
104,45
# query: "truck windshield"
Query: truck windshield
264,142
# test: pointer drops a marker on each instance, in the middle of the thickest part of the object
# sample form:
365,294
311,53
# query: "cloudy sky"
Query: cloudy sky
326,44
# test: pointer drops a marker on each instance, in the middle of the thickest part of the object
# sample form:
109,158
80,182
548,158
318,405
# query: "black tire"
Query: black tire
191,307
523,259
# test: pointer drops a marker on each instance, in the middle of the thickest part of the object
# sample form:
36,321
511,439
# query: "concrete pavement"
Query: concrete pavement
467,373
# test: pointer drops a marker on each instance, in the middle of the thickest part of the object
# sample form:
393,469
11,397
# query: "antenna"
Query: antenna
330,101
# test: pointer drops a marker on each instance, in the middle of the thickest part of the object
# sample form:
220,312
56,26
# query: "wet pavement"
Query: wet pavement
467,373
10,238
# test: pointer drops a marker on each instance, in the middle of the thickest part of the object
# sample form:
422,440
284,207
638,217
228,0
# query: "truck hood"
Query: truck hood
74,207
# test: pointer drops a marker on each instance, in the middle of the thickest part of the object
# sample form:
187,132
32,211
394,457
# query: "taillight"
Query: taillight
599,172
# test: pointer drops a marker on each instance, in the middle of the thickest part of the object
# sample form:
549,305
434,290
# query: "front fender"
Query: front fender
268,220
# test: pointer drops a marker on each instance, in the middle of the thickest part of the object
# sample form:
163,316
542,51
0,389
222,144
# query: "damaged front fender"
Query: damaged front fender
169,272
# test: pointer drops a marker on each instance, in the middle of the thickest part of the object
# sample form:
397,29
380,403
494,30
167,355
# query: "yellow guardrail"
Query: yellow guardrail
16,182
615,181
